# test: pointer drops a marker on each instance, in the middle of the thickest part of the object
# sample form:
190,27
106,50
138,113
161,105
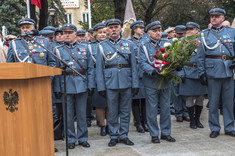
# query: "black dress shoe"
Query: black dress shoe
103,131
126,141
113,142
139,128
155,139
214,134
232,133
167,138
84,144
71,145
107,129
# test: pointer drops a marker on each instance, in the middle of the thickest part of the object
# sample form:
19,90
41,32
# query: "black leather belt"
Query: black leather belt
119,65
223,57
83,72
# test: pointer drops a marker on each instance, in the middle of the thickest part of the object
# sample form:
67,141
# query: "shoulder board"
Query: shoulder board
40,37
205,30
83,44
59,46
229,28
17,39
102,42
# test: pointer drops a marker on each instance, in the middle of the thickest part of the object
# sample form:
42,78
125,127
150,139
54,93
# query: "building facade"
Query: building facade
75,11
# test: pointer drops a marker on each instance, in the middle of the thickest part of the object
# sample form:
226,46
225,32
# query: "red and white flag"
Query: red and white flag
37,3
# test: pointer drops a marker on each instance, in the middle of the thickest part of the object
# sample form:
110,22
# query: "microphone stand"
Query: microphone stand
65,65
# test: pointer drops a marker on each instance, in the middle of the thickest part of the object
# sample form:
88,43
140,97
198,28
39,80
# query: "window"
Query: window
69,18
85,17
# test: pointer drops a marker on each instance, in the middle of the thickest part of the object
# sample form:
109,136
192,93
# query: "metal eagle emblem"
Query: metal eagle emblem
11,100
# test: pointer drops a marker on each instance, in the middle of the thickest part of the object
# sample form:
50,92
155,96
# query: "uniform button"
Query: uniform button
73,53
222,51
119,70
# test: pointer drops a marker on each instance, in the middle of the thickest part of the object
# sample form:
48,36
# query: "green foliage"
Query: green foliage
60,16
100,10
11,12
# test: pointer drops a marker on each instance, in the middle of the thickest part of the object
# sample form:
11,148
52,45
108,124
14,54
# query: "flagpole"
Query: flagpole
89,12
28,8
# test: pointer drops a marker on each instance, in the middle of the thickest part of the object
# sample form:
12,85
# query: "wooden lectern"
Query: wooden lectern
26,124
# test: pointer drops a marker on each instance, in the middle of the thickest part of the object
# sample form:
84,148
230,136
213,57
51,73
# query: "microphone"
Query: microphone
32,33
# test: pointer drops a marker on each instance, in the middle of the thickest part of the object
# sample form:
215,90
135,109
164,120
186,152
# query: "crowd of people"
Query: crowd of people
116,76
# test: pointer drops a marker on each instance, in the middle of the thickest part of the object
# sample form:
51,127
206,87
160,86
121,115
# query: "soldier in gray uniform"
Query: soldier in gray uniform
178,99
25,49
138,101
215,56
78,57
81,36
98,101
154,94
116,76
191,86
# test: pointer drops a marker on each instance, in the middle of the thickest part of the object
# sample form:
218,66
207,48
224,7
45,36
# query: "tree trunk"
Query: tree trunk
43,14
120,6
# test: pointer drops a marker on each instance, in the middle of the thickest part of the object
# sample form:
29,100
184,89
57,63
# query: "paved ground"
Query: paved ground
189,142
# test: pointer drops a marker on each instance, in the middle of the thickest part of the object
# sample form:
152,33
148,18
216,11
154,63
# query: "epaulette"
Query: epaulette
101,42
40,37
59,46
230,28
84,44
19,38
205,30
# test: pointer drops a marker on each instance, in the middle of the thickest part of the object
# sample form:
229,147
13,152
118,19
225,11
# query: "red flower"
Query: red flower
163,62
165,56
162,50
197,42
157,52
155,56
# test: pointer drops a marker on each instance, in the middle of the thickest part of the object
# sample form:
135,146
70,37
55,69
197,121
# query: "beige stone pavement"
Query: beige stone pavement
189,142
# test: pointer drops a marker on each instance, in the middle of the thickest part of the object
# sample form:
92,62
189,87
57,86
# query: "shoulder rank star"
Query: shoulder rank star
41,54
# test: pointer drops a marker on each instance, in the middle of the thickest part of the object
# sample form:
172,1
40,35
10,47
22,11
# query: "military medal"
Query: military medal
79,53
35,45
127,48
41,41
30,46
225,41
82,60
41,54
34,51
121,44
39,46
